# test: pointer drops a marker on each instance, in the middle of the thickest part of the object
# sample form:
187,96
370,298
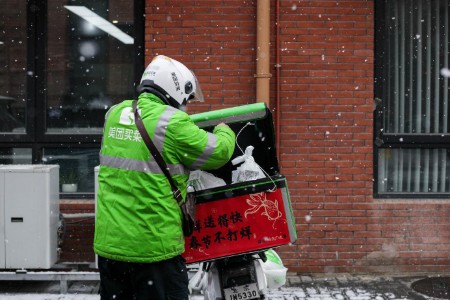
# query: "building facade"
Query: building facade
358,90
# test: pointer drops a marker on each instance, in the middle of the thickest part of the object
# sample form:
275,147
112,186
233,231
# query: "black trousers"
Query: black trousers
164,280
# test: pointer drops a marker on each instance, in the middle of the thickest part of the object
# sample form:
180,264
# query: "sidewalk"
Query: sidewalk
346,286
314,287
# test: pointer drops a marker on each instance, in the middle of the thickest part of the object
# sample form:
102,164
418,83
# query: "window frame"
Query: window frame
383,140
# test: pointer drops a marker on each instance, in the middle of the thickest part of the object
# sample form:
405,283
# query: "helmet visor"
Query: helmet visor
197,94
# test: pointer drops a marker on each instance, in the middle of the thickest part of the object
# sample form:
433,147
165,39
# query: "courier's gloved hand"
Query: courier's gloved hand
222,124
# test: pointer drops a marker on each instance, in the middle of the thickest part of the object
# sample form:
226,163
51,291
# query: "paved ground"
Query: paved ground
317,287
344,286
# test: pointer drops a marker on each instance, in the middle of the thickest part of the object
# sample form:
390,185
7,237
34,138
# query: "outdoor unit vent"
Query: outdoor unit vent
29,210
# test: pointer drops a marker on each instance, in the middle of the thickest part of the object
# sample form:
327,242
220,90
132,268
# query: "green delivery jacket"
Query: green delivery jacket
137,217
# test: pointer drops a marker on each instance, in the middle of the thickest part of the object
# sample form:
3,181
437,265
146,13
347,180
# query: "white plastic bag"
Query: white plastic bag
198,282
202,180
274,270
249,170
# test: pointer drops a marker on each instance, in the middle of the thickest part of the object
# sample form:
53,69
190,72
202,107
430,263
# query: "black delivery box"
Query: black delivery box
247,216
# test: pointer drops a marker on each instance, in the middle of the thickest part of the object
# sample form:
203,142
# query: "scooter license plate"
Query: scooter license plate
242,292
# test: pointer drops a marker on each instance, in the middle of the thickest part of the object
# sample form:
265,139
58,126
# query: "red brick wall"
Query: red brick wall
326,118
78,233
326,104
214,38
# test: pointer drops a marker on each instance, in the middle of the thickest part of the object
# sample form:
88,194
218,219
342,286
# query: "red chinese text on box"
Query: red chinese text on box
237,225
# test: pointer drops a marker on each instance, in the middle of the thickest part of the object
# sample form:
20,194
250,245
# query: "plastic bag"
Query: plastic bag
198,282
202,180
274,270
249,170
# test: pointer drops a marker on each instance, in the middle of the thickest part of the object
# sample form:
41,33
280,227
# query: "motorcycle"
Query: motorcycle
244,276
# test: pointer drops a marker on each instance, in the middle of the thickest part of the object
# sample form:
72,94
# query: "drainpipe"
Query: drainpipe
263,51
277,83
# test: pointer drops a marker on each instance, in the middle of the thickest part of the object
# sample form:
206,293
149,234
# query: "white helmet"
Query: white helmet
171,81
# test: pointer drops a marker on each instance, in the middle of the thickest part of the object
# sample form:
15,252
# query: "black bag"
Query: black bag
188,208
189,212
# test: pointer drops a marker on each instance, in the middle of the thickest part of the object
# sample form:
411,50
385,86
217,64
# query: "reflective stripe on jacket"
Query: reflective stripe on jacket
137,217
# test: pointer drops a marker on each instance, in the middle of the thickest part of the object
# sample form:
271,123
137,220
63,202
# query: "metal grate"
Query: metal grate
436,287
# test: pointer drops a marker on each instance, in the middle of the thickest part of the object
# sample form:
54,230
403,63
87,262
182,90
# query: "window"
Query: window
13,67
412,140
62,65
77,166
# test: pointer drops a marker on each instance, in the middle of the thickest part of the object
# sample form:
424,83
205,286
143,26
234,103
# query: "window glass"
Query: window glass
13,66
76,167
414,171
15,156
90,63
63,64
417,48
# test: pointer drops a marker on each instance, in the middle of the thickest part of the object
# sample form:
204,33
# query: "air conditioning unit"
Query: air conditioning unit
29,210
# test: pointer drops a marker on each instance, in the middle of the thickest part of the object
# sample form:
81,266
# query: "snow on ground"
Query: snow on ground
288,293
49,297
